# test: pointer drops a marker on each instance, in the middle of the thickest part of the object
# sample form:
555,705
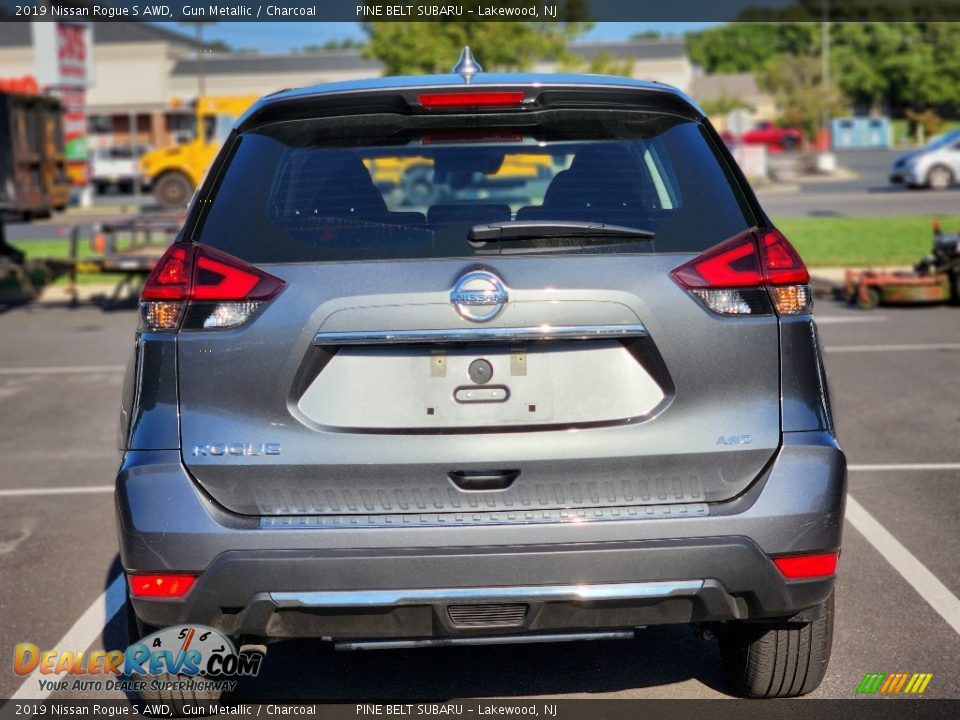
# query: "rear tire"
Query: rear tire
790,143
173,189
176,699
777,659
940,177
871,299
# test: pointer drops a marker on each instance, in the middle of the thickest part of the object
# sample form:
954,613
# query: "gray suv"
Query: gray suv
561,383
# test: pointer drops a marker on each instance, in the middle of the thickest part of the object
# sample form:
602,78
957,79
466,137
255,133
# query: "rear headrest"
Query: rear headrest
339,185
600,176
599,160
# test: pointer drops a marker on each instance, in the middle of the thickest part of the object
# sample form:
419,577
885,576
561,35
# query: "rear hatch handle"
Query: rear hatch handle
474,480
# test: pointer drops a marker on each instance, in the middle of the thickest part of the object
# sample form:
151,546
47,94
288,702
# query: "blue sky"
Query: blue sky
278,37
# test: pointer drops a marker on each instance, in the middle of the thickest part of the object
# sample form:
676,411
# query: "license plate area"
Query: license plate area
428,388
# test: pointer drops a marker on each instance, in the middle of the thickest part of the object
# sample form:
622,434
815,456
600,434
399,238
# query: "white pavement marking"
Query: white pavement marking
838,319
891,348
28,492
904,562
81,636
903,467
62,369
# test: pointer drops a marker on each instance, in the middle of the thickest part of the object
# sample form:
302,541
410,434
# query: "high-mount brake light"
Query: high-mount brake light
471,99
195,287
471,136
747,274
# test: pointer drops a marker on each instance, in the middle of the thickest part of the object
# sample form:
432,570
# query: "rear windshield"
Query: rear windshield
395,187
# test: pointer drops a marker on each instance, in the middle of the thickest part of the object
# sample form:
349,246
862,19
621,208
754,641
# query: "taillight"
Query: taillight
805,567
195,287
471,99
165,585
748,272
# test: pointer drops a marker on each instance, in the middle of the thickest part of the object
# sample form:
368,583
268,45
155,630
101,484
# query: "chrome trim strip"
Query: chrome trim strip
485,517
532,593
535,333
488,640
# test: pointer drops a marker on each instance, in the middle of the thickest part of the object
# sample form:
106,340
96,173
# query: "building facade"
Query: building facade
146,77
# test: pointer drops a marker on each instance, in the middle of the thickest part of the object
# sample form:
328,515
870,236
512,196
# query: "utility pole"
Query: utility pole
201,74
201,78
825,66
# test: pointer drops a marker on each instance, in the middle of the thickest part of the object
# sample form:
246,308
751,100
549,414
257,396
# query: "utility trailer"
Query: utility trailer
27,273
129,247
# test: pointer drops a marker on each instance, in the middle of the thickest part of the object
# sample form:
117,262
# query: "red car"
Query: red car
777,139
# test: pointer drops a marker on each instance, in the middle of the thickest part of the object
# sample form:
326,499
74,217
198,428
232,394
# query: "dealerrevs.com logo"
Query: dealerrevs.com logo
201,656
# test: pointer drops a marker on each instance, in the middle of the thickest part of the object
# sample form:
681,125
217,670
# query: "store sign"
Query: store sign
63,58
72,53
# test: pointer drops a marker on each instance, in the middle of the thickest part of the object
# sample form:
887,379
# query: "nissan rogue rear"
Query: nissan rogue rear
566,404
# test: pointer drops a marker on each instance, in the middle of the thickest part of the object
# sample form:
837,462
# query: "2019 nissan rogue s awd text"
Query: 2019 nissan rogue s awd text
556,405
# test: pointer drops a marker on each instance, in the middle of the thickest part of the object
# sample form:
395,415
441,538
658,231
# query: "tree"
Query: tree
724,104
879,66
347,43
433,47
797,86
603,63
740,47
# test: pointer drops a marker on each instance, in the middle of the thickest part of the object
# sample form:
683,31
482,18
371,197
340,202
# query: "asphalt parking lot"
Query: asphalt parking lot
893,377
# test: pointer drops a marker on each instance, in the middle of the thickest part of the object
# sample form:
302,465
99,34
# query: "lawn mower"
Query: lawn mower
936,278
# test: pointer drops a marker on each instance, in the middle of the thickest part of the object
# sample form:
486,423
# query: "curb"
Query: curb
61,294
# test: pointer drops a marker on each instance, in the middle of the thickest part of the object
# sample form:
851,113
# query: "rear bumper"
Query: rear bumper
409,594
304,581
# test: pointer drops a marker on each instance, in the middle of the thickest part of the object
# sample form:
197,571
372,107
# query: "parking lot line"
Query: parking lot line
82,635
62,369
891,348
903,467
79,490
944,602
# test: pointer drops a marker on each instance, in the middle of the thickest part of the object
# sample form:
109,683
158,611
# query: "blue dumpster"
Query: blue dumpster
858,133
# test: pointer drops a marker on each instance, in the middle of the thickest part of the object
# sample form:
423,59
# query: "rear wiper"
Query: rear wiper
537,229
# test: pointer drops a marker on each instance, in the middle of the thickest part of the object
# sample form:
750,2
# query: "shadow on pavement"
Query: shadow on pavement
115,627
312,670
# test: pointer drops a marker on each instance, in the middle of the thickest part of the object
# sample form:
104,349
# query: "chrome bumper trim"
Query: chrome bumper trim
538,333
532,593
485,640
